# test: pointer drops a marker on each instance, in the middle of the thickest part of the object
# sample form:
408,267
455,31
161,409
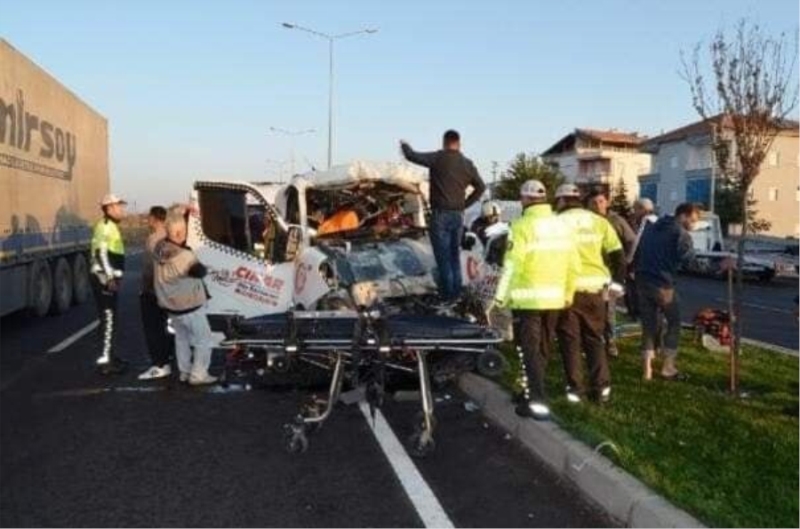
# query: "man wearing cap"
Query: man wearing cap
539,272
581,327
451,173
108,265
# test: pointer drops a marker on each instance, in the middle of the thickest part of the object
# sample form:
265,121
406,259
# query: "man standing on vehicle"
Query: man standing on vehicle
540,269
154,318
581,327
663,247
597,202
108,265
451,173
181,292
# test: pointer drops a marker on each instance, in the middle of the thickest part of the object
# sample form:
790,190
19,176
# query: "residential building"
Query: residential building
684,170
600,158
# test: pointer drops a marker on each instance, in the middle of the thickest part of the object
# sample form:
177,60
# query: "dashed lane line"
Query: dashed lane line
74,338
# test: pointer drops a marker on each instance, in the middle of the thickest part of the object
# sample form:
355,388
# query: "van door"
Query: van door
241,238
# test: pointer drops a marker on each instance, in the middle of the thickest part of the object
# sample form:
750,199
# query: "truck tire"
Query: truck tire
40,288
62,287
81,290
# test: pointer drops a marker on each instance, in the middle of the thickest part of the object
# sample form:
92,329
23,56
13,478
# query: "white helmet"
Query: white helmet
568,191
490,208
533,189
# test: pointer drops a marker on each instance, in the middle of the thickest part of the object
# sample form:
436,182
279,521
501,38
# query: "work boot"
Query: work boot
602,397
536,410
573,395
114,366
647,364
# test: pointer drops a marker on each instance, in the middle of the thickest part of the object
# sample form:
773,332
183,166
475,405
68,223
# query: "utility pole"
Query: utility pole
330,39
292,135
495,165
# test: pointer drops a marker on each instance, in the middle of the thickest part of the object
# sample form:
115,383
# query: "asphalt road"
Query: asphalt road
80,449
767,308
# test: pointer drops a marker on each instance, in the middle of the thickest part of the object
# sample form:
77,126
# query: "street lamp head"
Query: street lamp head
287,25
371,30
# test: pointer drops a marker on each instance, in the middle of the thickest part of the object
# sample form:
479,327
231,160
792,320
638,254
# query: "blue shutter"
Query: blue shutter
649,190
698,190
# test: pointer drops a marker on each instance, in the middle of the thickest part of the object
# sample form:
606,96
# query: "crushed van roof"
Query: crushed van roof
398,173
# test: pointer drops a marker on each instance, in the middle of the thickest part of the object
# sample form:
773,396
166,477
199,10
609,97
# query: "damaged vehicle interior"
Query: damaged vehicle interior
379,321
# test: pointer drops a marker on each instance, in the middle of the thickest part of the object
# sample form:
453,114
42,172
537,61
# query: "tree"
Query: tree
619,200
526,167
752,92
728,205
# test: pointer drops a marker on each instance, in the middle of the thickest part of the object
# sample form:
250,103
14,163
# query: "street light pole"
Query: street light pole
292,134
330,39
330,101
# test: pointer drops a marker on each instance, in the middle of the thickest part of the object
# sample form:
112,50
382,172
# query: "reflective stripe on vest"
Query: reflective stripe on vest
548,244
591,283
541,293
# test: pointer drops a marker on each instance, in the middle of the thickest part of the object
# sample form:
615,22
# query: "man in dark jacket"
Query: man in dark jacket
663,247
598,202
450,174
154,318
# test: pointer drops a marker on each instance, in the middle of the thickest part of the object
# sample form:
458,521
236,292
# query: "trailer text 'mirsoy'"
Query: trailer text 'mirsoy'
16,128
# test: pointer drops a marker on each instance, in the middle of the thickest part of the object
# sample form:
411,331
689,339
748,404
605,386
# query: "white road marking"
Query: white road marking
770,347
425,502
74,338
759,307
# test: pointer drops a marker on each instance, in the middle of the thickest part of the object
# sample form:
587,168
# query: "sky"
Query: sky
191,89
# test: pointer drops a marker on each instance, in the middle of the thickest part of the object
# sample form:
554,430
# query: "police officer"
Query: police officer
108,264
581,327
490,215
539,273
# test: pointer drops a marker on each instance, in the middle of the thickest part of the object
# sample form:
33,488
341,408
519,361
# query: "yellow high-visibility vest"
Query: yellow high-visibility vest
541,264
596,237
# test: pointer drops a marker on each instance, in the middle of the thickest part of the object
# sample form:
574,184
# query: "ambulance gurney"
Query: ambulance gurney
359,349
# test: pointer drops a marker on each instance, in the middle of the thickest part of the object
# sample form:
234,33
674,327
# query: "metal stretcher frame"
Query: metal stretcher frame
370,345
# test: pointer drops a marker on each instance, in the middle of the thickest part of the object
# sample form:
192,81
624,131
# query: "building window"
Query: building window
649,190
774,158
698,190
773,194
673,162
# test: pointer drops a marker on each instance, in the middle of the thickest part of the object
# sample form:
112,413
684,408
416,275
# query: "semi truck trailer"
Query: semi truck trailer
53,174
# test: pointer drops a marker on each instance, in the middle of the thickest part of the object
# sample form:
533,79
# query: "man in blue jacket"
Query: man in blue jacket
663,247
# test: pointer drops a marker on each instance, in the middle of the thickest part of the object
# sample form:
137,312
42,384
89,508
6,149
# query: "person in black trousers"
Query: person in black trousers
154,319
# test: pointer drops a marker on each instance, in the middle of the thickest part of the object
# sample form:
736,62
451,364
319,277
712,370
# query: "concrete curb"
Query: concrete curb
621,495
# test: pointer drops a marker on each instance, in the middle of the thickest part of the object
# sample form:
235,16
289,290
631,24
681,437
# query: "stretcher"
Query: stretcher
358,349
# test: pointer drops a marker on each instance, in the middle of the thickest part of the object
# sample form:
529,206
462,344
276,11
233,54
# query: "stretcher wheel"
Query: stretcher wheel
419,421
420,444
491,363
295,440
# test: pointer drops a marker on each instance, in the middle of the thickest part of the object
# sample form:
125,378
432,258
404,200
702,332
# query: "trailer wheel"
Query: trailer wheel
62,287
81,290
40,288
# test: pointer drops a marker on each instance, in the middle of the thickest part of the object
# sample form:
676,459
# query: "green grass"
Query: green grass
731,462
